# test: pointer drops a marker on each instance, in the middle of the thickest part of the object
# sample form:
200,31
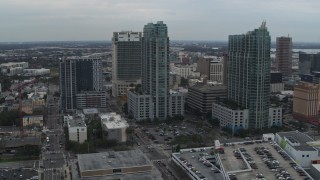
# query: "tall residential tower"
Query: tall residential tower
155,66
249,74
126,61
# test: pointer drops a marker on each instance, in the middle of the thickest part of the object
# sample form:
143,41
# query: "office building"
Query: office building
306,100
77,127
200,97
78,75
284,55
298,146
115,126
249,74
126,61
308,63
155,66
216,71
211,67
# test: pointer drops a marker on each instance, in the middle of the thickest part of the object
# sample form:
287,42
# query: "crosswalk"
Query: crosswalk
51,169
52,152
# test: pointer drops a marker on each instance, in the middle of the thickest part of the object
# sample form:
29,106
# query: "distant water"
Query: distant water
310,51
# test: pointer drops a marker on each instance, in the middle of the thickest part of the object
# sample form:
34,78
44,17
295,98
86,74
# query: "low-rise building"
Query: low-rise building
36,120
275,116
36,72
114,126
200,97
296,144
276,84
13,68
77,127
230,115
115,164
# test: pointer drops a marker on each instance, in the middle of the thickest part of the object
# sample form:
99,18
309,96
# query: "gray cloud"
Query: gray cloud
40,20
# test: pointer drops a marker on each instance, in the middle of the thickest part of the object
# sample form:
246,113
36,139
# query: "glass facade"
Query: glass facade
155,66
249,74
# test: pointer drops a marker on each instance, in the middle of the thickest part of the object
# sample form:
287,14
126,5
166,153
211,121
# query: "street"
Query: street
53,158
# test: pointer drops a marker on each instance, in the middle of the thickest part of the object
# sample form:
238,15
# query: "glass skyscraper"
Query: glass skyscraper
155,66
249,74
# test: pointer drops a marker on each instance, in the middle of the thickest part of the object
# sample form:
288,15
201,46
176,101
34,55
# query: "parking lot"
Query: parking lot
264,160
201,162
20,173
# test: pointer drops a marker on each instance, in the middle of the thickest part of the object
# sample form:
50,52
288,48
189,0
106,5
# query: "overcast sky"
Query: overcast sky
56,20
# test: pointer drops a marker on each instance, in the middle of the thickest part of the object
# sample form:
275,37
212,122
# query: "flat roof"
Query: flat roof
204,88
90,111
113,120
298,137
76,121
112,160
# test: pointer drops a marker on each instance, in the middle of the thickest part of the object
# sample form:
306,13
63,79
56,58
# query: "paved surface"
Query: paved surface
231,163
53,157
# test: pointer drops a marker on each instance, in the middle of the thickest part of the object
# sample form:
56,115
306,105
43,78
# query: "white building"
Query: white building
36,72
296,144
13,68
77,127
140,106
275,116
115,126
182,70
216,71
230,116
176,103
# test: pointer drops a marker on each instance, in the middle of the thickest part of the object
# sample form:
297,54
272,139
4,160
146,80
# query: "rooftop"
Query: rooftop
208,88
90,111
299,139
76,121
113,121
112,160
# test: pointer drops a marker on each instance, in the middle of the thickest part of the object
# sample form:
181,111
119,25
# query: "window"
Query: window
308,155
302,155
117,171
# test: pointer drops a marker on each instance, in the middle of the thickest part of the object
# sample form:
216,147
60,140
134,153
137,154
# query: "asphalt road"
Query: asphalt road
53,156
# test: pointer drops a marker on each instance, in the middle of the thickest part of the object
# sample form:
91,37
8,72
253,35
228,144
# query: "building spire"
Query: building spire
263,25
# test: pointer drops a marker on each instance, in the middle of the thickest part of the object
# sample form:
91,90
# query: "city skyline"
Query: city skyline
78,20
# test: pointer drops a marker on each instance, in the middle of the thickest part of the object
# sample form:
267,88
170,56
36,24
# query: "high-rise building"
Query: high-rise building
308,63
284,55
155,66
126,61
78,75
248,75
